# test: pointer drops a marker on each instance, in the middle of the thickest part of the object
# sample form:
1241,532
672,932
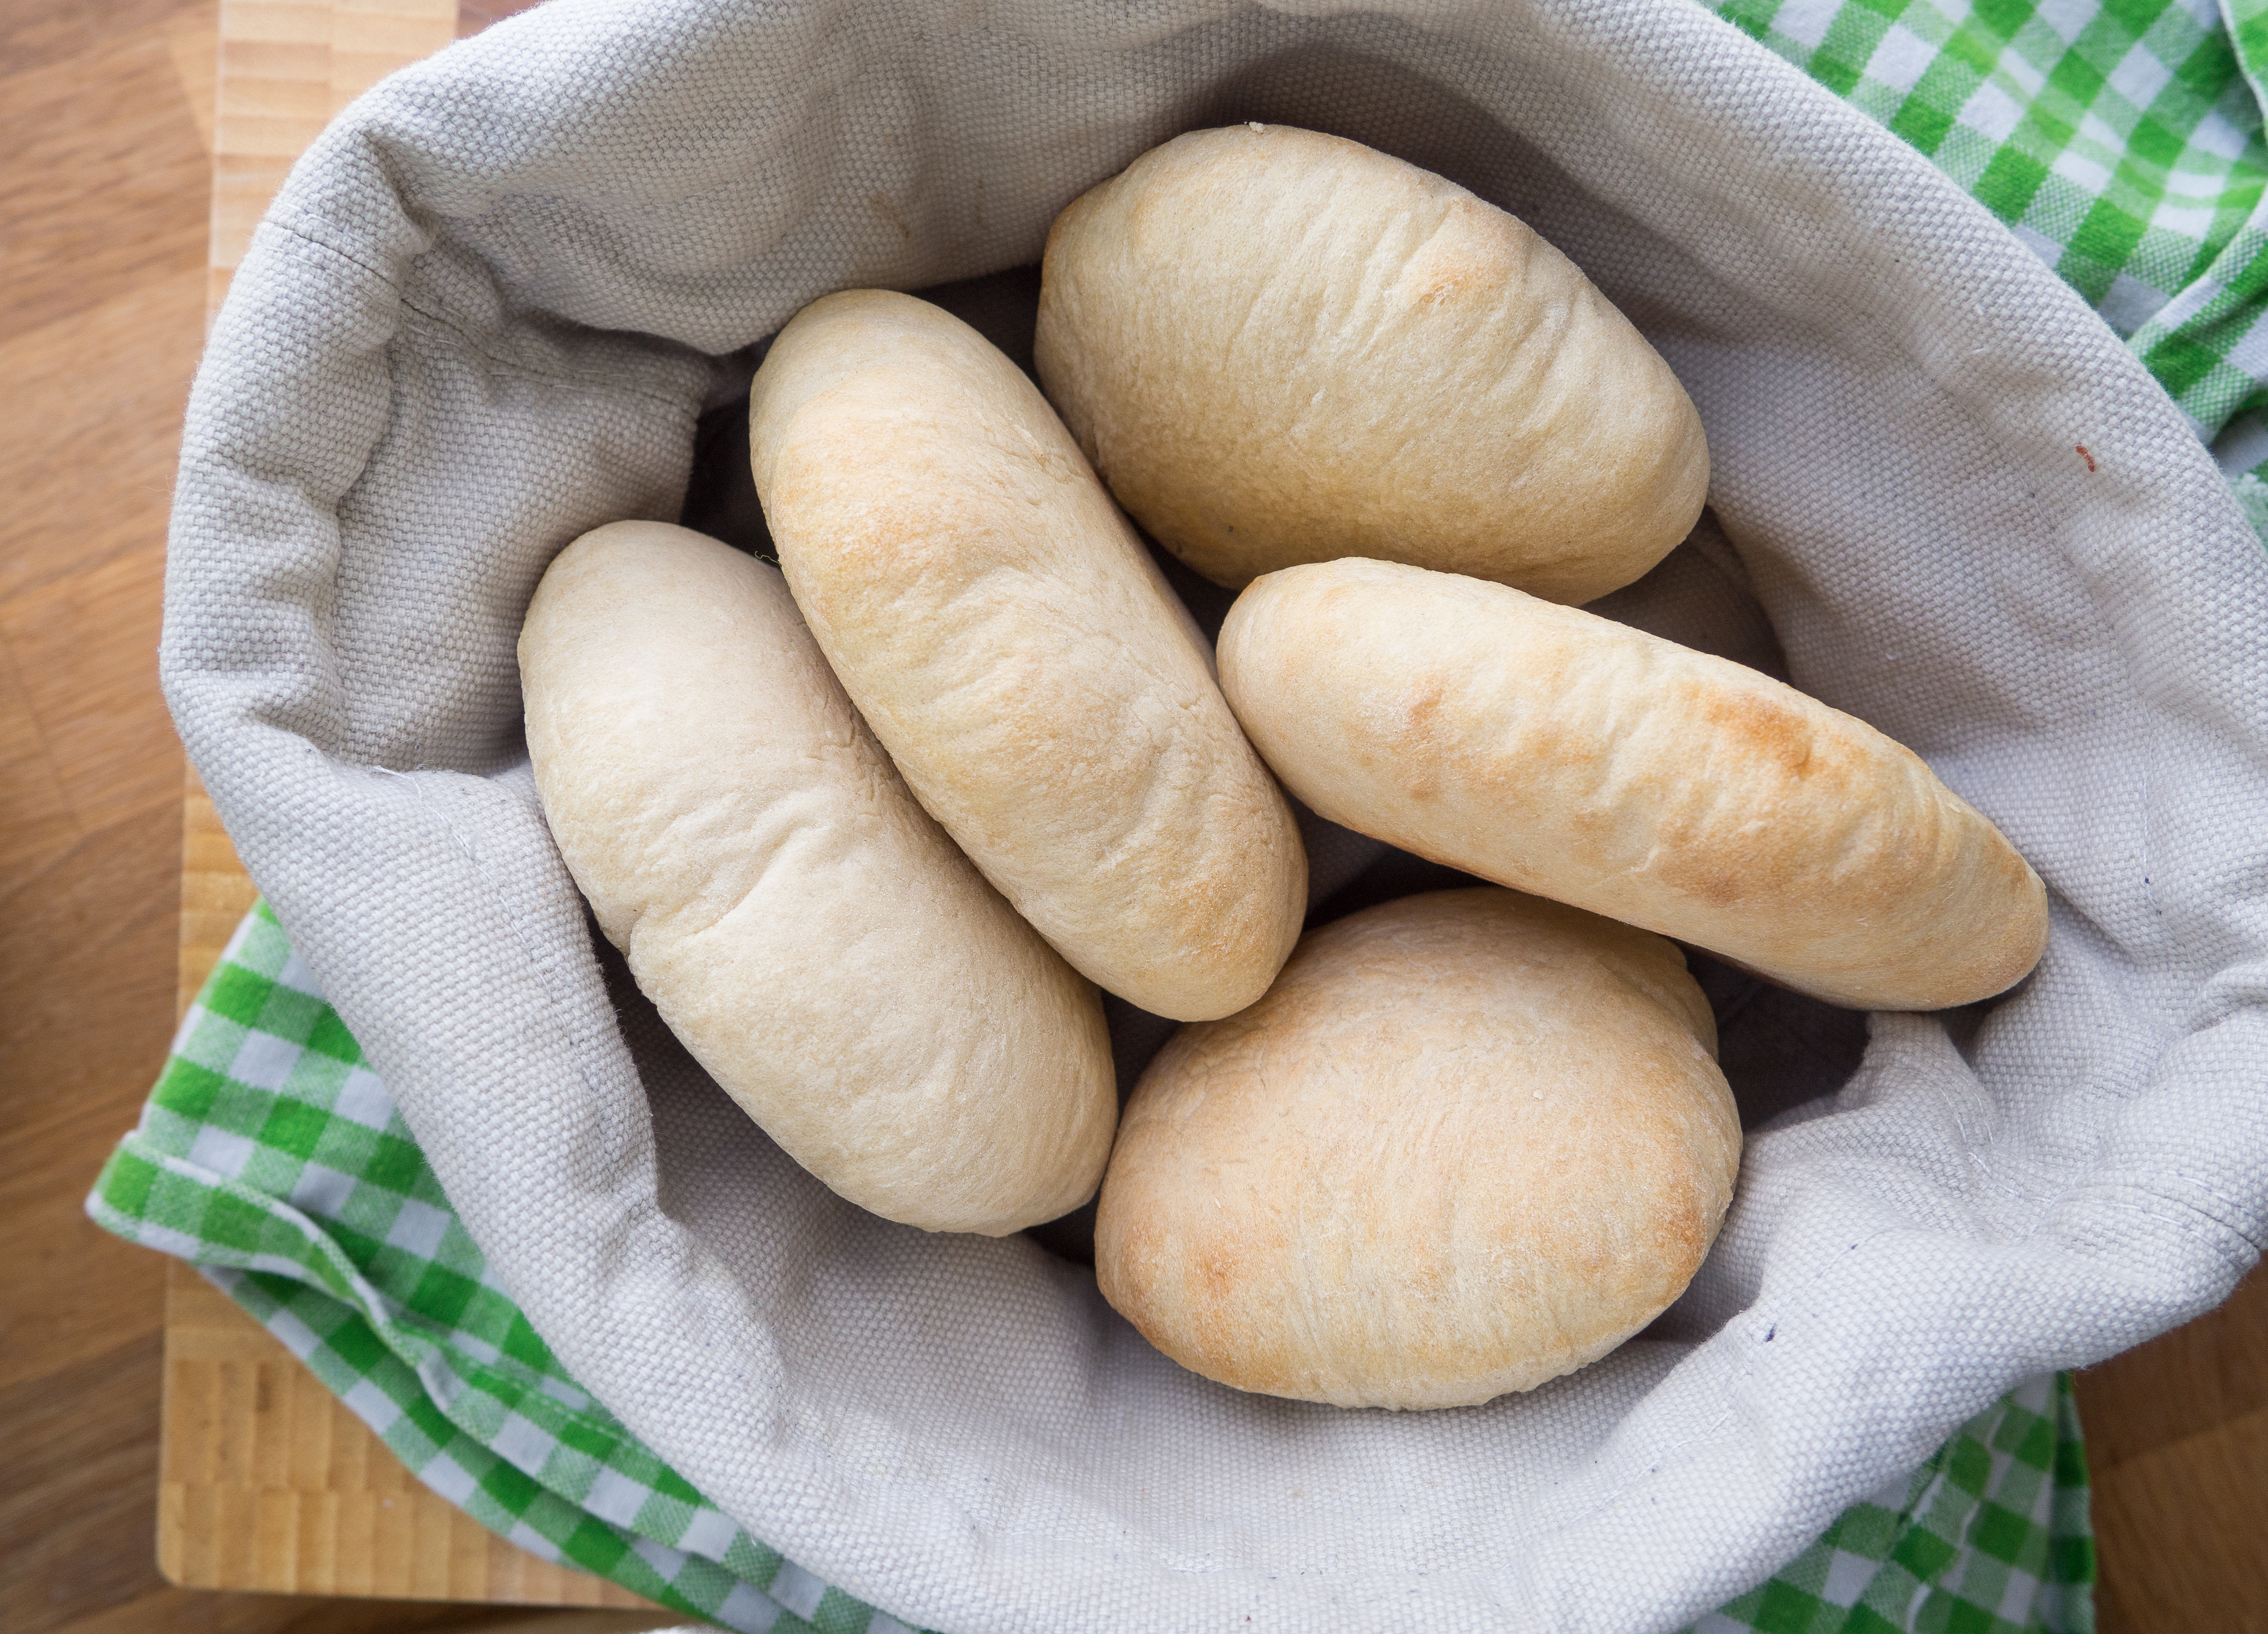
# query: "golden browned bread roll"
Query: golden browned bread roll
1011,642
1556,752
1467,1142
806,930
1280,347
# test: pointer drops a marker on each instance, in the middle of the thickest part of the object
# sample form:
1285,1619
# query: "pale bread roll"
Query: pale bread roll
1467,1142
1560,752
1281,347
806,930
1003,631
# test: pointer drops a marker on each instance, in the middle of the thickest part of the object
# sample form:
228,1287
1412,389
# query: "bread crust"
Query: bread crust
1002,629
1279,347
804,927
1469,1142
1559,753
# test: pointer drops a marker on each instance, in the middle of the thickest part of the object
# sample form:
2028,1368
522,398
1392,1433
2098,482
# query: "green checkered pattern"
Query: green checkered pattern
1991,1536
2122,144
271,1157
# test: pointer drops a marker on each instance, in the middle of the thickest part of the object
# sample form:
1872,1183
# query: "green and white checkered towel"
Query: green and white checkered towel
2122,143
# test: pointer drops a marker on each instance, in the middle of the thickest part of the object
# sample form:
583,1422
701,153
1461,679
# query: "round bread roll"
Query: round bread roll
1557,752
1467,1142
806,930
1002,629
1279,347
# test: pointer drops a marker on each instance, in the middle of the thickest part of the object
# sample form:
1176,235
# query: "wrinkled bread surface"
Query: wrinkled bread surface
1279,347
804,927
1556,752
1002,629
1469,1142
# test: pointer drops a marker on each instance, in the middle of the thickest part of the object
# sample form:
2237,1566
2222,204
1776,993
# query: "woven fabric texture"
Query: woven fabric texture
2121,143
270,1156
483,316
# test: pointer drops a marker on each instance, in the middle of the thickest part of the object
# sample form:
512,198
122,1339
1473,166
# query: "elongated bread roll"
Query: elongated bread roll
1557,752
806,930
1467,1142
1008,638
1280,347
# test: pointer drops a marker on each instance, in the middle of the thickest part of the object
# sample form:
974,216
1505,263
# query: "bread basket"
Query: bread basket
487,314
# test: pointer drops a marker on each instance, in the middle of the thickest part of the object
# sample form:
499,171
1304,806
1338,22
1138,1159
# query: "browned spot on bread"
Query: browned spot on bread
1129,1245
1219,1268
1719,879
1682,1237
1471,252
1795,767
1418,749
1758,726
1439,278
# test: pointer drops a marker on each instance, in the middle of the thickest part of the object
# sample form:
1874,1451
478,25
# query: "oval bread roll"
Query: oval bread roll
1467,1142
1002,629
1557,752
1280,347
806,930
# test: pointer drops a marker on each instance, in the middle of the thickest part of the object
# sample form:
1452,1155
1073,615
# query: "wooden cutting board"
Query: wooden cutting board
266,1481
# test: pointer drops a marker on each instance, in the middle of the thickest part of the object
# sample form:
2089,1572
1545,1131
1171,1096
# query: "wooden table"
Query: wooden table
113,119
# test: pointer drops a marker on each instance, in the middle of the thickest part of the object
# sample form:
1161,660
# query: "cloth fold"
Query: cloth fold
270,1157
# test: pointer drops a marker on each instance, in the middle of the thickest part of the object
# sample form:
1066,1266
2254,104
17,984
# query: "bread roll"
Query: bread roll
1280,347
1013,645
806,930
1556,752
1467,1142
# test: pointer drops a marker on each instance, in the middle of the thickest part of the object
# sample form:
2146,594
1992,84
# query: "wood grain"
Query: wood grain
110,120
101,254
271,1483
286,67
216,892
116,893
111,112
2177,1449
